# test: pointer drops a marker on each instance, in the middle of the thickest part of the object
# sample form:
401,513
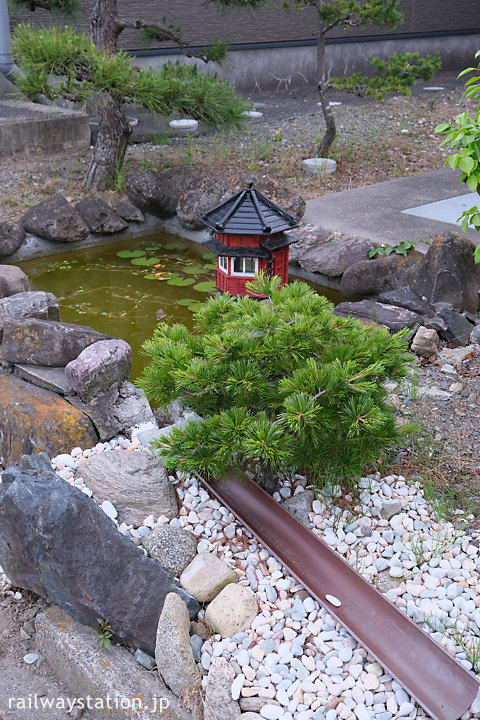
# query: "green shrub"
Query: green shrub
281,384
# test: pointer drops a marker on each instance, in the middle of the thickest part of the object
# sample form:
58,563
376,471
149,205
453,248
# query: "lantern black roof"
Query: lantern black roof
249,212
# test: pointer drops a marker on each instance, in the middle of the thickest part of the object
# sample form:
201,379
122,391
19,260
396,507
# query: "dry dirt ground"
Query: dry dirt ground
376,141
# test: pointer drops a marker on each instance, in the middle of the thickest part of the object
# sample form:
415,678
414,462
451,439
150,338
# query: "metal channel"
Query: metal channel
429,674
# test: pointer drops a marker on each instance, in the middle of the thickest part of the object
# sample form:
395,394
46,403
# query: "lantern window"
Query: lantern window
244,266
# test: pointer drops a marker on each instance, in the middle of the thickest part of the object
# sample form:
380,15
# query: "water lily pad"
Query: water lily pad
145,261
208,255
206,286
187,302
161,276
180,282
193,269
130,253
177,245
210,266
196,307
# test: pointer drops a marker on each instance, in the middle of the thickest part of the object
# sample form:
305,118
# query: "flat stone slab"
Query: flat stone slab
447,211
73,653
49,378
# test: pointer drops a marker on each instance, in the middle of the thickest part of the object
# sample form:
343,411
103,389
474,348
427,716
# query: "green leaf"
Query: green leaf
180,282
210,266
187,302
193,269
208,255
473,183
453,161
207,286
442,127
145,261
177,245
467,164
130,253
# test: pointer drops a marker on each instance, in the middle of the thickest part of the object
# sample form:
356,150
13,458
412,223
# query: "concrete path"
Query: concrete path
396,210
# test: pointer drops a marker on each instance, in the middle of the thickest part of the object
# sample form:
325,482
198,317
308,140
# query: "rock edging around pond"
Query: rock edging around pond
61,384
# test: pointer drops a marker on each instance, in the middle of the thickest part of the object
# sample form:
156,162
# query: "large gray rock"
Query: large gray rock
54,219
232,611
157,193
406,298
11,237
333,258
448,273
100,217
128,212
457,326
172,547
12,280
36,304
206,575
99,366
219,704
392,317
300,505
133,481
56,541
118,409
368,278
306,239
201,196
173,652
45,342
33,419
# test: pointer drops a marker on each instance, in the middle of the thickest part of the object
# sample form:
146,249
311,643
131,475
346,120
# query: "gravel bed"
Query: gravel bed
296,662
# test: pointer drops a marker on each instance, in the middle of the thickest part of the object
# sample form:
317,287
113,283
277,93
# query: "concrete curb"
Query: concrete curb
110,683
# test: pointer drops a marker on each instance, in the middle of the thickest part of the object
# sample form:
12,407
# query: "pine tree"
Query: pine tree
280,383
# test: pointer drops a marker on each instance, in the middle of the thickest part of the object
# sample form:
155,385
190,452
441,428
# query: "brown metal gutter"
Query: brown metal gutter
429,674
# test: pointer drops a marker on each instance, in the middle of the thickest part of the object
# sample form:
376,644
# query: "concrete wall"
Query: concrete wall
294,67
27,127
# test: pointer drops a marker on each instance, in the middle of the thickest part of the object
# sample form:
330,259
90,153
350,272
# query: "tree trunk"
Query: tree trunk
267,478
322,84
114,129
110,148
104,25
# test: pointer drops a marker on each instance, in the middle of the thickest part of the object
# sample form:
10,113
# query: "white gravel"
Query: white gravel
296,658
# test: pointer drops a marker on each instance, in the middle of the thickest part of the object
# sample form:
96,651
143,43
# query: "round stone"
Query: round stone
318,166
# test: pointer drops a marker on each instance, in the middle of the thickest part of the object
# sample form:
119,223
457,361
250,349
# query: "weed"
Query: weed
104,631
400,248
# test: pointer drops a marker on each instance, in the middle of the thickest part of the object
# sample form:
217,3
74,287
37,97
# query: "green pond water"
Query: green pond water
125,289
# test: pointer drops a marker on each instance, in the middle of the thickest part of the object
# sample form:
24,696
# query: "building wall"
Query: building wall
273,47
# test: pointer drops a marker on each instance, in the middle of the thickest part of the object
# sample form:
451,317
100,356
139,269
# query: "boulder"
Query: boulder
219,704
232,611
448,273
157,193
133,481
306,239
172,547
406,298
12,235
54,219
300,506
99,366
100,217
390,316
333,258
57,542
425,343
45,342
118,409
173,652
33,419
34,304
201,196
128,212
12,280
205,576
458,327
368,278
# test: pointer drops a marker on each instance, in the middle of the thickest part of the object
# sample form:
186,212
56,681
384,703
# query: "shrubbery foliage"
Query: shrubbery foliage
282,383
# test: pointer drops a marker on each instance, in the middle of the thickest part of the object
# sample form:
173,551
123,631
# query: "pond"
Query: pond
125,289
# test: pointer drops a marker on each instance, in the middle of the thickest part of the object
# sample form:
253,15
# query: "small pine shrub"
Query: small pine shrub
281,383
